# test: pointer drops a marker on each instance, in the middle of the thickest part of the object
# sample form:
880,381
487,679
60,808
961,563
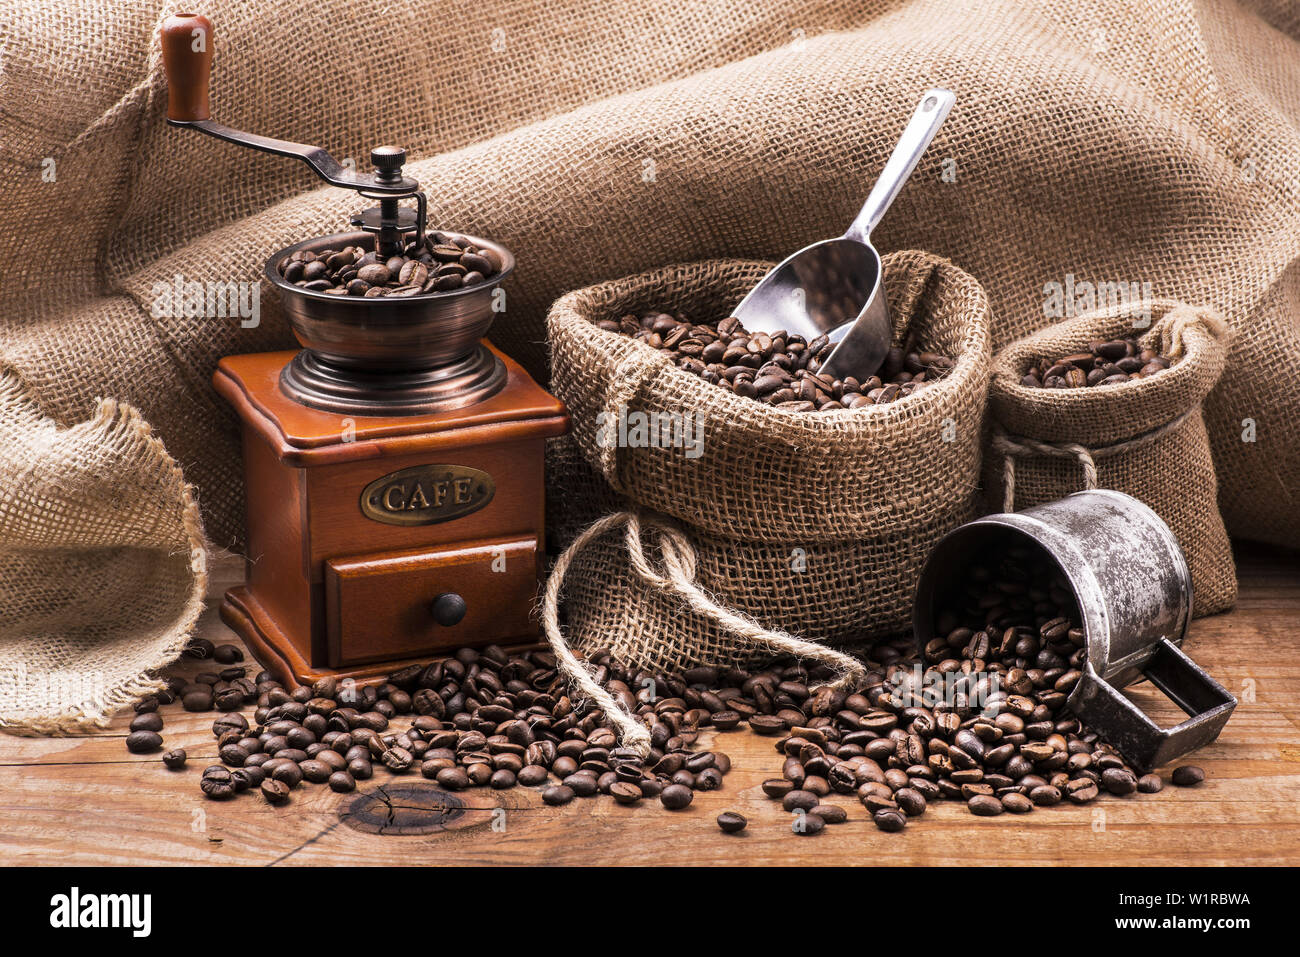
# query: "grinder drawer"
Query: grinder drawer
410,603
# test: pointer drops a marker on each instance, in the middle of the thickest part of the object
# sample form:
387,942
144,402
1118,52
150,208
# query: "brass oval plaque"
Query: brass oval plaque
426,494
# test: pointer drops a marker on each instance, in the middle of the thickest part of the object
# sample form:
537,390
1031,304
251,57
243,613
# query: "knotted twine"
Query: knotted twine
676,576
1010,446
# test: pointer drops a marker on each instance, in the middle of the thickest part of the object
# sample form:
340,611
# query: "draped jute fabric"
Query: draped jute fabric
1116,143
812,523
1145,437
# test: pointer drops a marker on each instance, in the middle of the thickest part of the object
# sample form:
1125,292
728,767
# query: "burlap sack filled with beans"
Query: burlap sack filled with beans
1145,437
779,523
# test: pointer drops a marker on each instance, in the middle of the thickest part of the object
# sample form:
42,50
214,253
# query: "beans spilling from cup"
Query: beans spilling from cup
1111,362
979,717
443,262
776,368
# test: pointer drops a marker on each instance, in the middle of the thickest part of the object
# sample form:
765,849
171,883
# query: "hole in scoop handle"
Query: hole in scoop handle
187,60
925,122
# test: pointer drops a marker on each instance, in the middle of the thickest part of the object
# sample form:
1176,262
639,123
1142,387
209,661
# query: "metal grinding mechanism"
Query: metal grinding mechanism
387,355
1134,596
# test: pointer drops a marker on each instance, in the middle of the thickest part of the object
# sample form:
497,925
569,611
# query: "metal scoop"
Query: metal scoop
833,287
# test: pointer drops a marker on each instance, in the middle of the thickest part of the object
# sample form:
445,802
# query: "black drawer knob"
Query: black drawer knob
448,609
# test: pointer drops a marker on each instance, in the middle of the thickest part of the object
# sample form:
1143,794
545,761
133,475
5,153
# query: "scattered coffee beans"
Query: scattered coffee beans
445,261
777,369
999,739
1105,363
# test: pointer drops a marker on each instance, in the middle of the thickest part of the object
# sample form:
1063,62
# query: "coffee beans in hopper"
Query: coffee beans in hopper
777,369
1104,363
443,262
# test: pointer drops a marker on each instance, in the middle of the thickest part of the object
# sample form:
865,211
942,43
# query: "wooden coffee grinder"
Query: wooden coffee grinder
394,465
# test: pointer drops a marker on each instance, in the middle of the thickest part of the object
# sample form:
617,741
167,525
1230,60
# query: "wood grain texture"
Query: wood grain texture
87,801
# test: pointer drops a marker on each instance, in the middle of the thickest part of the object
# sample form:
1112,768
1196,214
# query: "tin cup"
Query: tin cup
1134,594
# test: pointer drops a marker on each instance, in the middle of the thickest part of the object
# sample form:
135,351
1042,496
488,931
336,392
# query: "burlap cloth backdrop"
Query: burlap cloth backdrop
103,568
1112,140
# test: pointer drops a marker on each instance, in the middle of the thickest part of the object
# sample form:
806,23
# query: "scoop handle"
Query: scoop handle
920,130
187,60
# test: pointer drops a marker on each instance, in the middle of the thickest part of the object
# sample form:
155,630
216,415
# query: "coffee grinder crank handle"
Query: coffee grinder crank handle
187,60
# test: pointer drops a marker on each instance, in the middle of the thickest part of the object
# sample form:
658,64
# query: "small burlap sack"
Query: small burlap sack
1144,437
783,524
102,564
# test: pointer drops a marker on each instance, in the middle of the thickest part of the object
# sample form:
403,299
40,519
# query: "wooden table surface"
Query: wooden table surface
86,800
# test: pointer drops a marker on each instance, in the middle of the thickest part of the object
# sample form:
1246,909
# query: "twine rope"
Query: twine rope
675,576
1012,446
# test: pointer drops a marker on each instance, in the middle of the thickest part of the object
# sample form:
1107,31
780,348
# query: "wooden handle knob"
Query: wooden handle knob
187,59
448,609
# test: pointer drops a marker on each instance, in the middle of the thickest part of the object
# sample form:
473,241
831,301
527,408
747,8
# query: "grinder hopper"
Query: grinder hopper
390,355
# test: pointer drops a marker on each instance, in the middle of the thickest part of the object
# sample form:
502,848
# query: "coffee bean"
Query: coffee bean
143,742
807,823
342,782
174,759
1119,781
890,821
197,700
317,772
217,783
1081,790
444,261
830,813
1017,803
532,775
1150,784
1044,795
985,805
731,823
800,800
199,648
910,801
558,795
148,721
676,796
453,779
777,787
1187,775
625,792
227,654
275,792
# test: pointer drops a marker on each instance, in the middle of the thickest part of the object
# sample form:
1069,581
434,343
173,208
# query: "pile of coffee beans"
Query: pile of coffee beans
1105,363
978,716
479,719
778,369
444,261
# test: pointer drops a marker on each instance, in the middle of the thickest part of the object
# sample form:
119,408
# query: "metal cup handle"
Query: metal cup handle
1143,742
